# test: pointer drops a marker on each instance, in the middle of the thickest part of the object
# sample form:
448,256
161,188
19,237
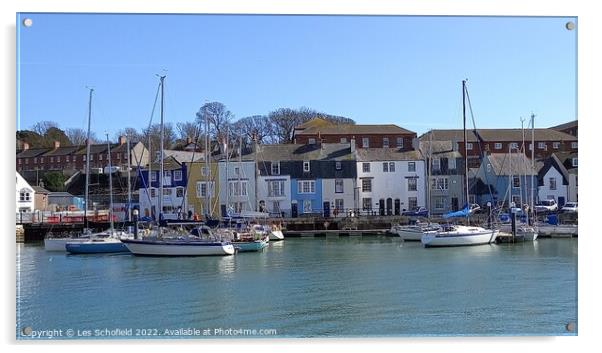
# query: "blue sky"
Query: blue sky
373,69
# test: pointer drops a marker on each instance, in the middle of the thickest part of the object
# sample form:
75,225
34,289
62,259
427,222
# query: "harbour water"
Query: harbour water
316,287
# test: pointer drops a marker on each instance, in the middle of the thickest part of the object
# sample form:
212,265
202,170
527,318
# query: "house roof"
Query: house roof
39,189
510,164
60,194
570,124
169,163
291,152
436,146
386,154
184,156
62,151
553,161
349,129
509,135
96,148
32,152
315,122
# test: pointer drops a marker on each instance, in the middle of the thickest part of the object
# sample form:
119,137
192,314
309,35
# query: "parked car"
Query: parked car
569,207
546,206
417,212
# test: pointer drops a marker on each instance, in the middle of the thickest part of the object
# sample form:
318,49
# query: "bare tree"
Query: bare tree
78,136
130,132
218,117
42,127
259,126
169,136
283,123
188,129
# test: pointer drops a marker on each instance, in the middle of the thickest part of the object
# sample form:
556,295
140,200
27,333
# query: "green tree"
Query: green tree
54,181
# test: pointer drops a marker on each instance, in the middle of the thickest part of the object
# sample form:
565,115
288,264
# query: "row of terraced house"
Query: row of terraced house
342,170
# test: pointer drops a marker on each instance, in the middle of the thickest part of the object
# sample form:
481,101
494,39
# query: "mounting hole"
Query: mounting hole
27,22
570,25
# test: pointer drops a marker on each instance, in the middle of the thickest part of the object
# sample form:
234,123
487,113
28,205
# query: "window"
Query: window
118,155
275,168
306,186
412,184
167,191
400,142
167,174
365,142
338,186
555,145
515,182
24,196
439,202
154,176
75,158
35,160
58,159
343,140
339,205
179,192
574,162
552,183
497,146
488,167
51,160
276,206
542,146
237,188
411,166
201,189
236,170
440,184
385,167
275,188
436,164
27,161
514,145
312,141
204,171
153,193
99,157
177,175
19,160
469,146
306,166
573,144
366,167
91,157
367,204
83,159
67,158
412,203
385,142
337,165
306,206
451,163
391,166
366,185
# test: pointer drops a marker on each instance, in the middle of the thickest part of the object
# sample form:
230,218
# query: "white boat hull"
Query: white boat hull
276,235
410,234
58,244
560,231
178,248
528,233
463,236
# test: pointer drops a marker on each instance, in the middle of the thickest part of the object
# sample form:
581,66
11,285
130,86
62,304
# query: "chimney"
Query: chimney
121,140
25,146
352,145
188,140
57,144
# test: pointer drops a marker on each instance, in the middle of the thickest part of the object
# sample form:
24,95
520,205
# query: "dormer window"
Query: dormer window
275,168
306,166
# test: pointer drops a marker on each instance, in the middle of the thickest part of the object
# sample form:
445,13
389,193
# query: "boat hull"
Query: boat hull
248,246
178,248
560,231
410,234
97,247
459,238
276,235
58,244
527,233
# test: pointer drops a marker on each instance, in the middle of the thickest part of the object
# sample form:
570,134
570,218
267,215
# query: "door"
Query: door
294,211
454,204
381,207
389,206
560,201
326,208
397,207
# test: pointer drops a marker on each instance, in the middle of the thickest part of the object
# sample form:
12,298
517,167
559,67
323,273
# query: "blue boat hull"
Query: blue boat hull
250,245
96,248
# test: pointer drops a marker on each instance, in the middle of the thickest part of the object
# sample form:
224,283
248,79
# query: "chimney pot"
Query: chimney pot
121,140
25,146
57,144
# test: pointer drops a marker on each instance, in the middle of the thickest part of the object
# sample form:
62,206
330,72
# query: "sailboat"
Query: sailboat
460,235
187,245
59,244
105,245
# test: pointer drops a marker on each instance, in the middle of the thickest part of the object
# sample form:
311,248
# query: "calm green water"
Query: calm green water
370,286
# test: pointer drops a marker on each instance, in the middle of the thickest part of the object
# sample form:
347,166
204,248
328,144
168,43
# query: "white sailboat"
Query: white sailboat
459,235
186,245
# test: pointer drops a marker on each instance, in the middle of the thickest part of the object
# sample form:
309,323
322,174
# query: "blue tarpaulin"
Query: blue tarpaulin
462,213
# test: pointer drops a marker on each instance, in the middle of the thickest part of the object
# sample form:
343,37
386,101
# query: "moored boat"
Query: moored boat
414,232
97,246
458,235
58,244
178,247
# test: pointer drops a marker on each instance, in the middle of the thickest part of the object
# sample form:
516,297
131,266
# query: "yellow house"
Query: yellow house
203,189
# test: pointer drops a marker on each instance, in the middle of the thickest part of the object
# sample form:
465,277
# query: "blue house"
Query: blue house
504,177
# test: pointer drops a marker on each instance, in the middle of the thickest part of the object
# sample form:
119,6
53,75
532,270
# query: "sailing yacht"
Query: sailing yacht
460,235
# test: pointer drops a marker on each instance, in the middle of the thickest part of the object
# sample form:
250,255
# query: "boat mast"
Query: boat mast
88,160
127,138
207,168
161,153
239,172
149,186
254,136
110,183
522,164
465,141
532,163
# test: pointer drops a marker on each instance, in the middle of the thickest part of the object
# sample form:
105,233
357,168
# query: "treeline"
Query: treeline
275,127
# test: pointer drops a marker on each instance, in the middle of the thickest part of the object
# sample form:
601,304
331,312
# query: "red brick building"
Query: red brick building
366,136
569,128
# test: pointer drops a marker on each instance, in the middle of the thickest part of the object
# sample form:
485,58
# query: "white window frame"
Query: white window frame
237,189
451,163
516,184
306,186
307,206
574,145
366,167
391,167
204,171
385,142
311,141
306,166
439,202
339,205
411,166
276,188
367,204
177,175
365,142
366,185
497,146
574,162
469,146
343,140
440,183
412,202
275,168
555,145
553,183
436,164
339,186
385,167
412,184
542,146
399,142
337,165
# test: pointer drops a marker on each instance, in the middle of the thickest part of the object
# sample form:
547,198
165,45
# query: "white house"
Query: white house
237,184
388,181
553,181
25,195
274,194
